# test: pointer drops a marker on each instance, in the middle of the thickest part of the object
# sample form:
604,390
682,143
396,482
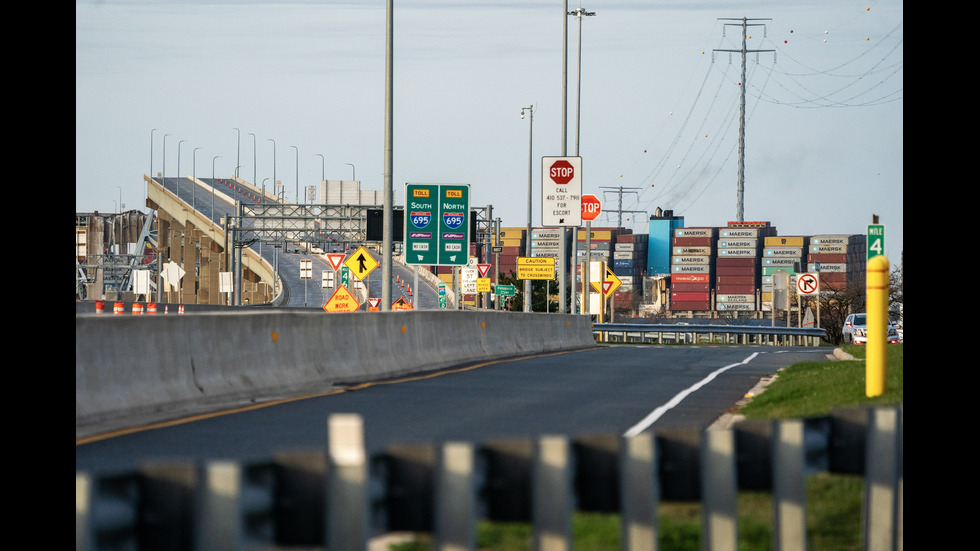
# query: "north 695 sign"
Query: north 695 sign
437,224
561,191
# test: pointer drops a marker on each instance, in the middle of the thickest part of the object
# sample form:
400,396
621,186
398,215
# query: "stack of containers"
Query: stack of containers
601,245
511,247
691,260
547,242
842,260
628,260
737,276
786,253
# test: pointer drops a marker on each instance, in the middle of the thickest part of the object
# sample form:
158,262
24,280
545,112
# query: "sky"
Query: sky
296,91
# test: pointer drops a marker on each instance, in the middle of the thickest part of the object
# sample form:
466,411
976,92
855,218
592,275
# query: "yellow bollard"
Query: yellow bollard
876,364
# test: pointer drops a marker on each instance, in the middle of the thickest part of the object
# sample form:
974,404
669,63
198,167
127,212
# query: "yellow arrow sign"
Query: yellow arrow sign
616,282
361,263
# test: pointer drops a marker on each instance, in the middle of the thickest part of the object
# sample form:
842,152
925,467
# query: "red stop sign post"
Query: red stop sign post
591,207
561,172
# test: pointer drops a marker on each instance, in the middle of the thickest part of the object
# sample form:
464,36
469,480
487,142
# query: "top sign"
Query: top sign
561,191
591,207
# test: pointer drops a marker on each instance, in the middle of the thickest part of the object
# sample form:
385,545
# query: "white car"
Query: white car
855,330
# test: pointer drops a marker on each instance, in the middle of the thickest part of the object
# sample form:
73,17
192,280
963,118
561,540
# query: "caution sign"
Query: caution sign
342,301
401,304
535,267
361,263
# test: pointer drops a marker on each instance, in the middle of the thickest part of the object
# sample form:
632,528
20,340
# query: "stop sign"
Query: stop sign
561,172
591,207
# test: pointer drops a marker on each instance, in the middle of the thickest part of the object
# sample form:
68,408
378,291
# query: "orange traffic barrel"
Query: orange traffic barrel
99,307
118,308
151,308
137,309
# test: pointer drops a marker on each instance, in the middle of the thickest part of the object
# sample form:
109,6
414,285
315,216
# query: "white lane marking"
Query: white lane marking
673,402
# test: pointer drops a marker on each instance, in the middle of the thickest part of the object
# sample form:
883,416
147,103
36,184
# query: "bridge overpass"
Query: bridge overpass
210,226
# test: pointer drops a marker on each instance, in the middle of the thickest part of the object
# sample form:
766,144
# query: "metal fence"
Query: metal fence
672,333
342,497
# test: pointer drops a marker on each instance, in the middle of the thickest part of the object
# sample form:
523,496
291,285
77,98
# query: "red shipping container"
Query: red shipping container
745,262
688,296
626,238
737,271
691,287
736,280
734,289
696,306
694,241
690,278
826,257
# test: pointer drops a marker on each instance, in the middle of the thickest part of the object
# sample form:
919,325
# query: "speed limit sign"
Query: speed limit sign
807,284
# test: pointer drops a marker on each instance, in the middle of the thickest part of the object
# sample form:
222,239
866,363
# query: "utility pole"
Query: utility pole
620,191
744,23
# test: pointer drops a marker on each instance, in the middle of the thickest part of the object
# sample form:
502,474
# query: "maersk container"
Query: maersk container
697,306
694,232
739,252
738,244
691,287
786,241
736,262
738,232
682,296
693,241
783,252
684,260
690,269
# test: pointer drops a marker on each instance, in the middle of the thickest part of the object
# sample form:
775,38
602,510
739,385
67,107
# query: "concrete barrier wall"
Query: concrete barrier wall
131,370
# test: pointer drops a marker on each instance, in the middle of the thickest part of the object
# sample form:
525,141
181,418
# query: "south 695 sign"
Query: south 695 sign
437,229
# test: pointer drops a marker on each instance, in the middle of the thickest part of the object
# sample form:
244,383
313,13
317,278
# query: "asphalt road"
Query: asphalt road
613,389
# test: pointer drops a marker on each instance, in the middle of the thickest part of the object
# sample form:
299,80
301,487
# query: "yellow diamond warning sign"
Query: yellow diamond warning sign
342,301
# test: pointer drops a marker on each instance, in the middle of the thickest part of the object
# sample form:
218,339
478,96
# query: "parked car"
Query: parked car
855,330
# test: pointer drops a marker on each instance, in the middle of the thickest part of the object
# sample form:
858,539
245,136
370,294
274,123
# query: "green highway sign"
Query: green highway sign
876,240
437,224
505,290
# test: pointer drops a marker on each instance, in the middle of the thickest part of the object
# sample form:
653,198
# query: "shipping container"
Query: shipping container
735,270
697,251
735,306
779,262
738,232
739,252
690,306
792,252
690,278
738,244
597,235
694,232
690,269
786,241
736,263
838,258
722,279
684,296
621,246
693,242
683,260
691,287
735,289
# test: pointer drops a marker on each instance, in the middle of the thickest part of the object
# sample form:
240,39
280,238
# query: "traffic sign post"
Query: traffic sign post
808,285
561,191
437,224
536,267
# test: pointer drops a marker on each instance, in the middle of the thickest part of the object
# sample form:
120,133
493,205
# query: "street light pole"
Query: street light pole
178,167
212,186
255,176
163,179
238,161
579,13
273,164
527,238
194,183
297,172
353,174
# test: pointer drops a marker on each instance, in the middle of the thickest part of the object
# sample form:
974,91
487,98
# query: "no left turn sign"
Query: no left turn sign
807,284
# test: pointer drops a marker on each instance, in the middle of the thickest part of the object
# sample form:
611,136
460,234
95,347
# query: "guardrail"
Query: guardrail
673,333
341,497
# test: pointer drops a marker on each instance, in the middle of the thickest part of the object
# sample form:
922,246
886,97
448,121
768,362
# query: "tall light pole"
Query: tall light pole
297,172
274,165
238,160
178,167
353,173
163,179
212,185
527,238
255,176
151,160
579,13
194,183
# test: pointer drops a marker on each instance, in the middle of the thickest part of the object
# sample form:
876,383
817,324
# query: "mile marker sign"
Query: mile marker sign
561,191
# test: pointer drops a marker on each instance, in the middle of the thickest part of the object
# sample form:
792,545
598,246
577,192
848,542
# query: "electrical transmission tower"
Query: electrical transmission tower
620,190
744,23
